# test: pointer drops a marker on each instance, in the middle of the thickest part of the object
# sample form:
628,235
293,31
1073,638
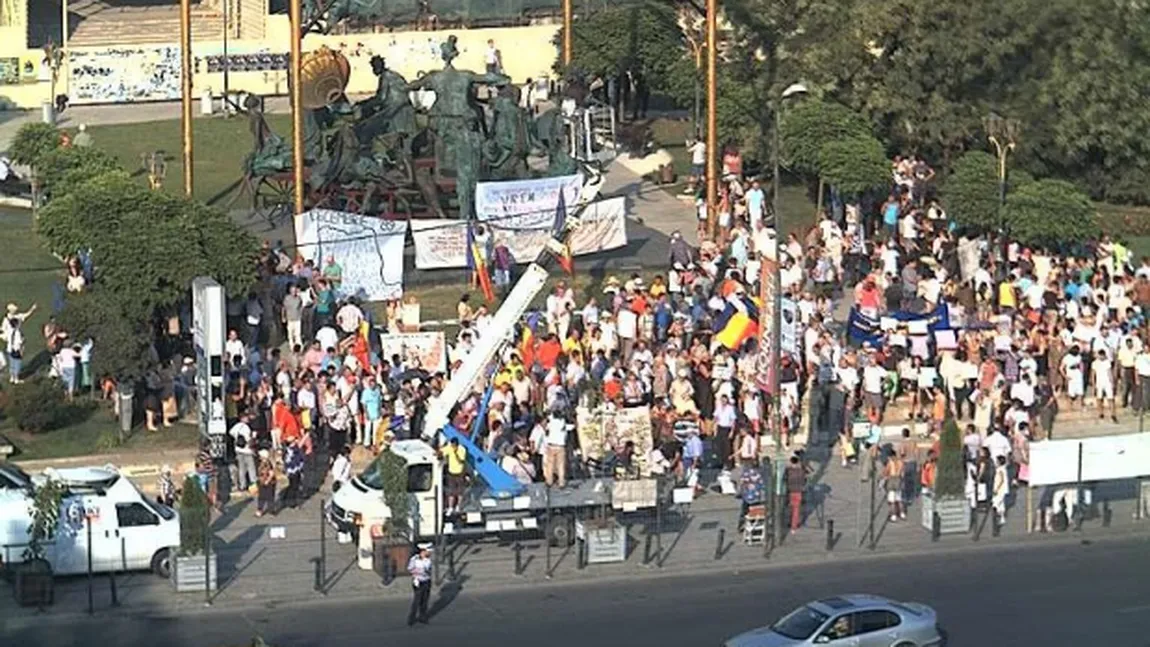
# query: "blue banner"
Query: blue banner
861,328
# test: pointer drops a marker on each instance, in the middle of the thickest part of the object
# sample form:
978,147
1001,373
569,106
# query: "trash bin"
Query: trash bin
48,113
206,107
126,394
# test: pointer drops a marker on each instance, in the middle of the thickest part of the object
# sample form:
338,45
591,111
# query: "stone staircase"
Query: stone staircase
125,26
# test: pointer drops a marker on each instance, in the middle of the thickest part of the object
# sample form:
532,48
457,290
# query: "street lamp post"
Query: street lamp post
1002,134
795,89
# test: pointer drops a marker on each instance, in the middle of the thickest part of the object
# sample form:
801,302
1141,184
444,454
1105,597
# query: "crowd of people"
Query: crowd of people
943,323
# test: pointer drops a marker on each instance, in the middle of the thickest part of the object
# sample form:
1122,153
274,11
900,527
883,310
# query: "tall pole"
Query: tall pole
67,69
186,98
227,27
296,105
567,20
712,117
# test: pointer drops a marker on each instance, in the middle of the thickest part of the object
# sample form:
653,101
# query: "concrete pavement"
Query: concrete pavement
271,560
1063,595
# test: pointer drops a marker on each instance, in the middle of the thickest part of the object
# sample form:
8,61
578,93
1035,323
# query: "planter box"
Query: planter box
390,556
34,584
190,576
606,542
953,514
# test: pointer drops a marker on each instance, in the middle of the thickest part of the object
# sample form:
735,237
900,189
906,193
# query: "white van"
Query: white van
129,531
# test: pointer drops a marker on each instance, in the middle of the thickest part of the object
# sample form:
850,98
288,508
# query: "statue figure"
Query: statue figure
332,12
269,154
455,122
390,104
553,138
511,137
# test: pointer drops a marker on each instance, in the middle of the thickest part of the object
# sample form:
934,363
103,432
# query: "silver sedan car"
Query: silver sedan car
849,621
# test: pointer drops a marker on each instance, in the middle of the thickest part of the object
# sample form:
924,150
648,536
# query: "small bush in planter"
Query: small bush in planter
195,517
34,585
950,479
393,471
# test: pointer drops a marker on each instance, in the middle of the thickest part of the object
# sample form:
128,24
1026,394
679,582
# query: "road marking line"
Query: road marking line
1139,609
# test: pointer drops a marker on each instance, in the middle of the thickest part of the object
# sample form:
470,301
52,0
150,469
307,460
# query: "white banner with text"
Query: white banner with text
443,243
370,250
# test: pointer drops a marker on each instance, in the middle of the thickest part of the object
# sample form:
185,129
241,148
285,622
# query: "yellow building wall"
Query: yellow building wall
527,52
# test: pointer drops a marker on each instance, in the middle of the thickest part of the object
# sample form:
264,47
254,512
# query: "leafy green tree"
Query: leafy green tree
32,142
855,165
643,38
122,345
809,125
147,247
63,168
1050,213
970,191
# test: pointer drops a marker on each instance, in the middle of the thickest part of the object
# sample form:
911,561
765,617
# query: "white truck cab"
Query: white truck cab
128,530
361,500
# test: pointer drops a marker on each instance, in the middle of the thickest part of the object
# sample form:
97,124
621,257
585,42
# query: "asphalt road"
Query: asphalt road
1054,595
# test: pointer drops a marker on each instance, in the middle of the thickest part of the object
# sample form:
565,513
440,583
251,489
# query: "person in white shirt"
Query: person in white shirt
348,318
341,469
1071,368
327,337
242,437
999,445
872,379
492,58
555,451
234,348
1102,374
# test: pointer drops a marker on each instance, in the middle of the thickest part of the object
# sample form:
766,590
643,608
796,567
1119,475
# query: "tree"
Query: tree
122,346
32,142
970,191
809,125
147,247
1050,213
855,165
66,167
643,38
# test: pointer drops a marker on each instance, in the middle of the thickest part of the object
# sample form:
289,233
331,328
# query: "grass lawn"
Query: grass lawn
96,435
219,147
27,274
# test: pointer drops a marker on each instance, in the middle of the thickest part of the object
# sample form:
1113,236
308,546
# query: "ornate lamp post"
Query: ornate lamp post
1003,134
793,90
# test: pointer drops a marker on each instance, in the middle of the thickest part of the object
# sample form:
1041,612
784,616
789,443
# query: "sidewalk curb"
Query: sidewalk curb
593,578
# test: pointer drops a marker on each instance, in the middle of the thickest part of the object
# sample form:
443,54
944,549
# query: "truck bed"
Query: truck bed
580,493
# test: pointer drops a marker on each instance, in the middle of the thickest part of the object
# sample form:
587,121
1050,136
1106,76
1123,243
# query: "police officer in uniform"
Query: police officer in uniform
420,568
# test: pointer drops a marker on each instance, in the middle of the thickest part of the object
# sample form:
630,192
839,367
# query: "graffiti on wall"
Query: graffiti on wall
125,74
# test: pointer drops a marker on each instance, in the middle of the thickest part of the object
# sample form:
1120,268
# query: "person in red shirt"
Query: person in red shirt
548,352
285,425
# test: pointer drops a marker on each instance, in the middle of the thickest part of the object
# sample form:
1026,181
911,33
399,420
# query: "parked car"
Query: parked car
849,621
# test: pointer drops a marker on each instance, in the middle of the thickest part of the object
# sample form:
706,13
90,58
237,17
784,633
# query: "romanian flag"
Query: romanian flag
558,231
737,322
479,275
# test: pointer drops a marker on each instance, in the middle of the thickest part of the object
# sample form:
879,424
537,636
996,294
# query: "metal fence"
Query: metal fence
295,555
